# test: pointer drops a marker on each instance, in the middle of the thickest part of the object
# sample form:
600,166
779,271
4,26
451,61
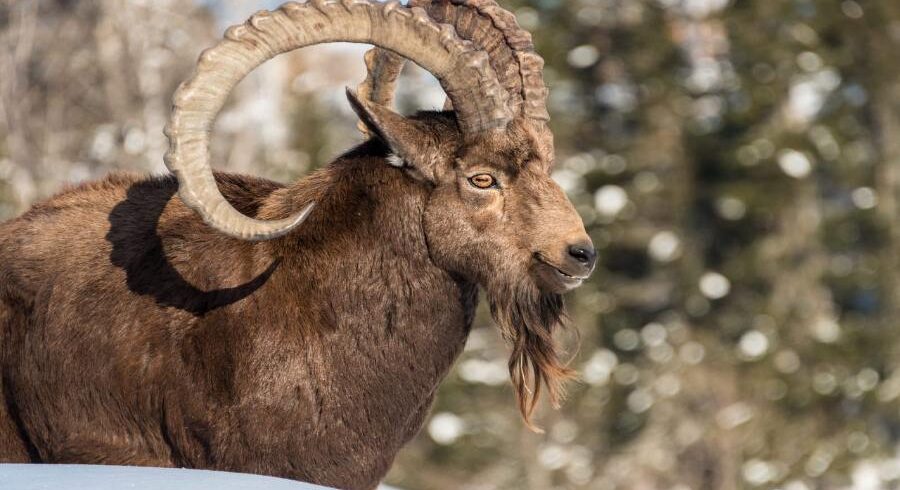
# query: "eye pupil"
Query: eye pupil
482,181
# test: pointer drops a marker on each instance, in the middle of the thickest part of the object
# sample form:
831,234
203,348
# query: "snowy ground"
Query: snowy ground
79,477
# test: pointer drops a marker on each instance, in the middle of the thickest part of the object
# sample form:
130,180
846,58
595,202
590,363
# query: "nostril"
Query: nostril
583,253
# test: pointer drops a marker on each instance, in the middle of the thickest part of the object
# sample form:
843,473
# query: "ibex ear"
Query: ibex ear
407,139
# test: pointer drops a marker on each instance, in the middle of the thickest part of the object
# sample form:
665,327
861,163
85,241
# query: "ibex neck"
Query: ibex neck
381,323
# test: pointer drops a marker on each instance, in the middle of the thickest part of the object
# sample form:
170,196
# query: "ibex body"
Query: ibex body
134,332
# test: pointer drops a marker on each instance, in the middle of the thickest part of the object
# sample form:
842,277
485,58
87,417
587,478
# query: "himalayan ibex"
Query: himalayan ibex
299,331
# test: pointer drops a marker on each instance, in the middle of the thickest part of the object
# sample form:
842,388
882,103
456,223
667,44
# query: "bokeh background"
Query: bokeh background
737,164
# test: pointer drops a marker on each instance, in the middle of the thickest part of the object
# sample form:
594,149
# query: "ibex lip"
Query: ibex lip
565,277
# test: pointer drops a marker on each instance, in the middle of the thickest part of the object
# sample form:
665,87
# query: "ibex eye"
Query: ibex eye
483,181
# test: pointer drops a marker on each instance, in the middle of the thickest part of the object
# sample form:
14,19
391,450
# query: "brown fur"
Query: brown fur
132,333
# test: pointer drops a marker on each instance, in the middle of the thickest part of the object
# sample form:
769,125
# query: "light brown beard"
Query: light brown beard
528,319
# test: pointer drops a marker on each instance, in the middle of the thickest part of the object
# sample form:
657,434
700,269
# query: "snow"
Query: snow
82,477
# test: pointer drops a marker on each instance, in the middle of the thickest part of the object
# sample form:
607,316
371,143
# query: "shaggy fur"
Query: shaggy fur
528,318
131,333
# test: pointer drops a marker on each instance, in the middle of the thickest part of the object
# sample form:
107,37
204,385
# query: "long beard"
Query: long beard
528,319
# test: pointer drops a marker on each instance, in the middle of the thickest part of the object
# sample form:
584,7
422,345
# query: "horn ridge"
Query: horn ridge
511,51
523,78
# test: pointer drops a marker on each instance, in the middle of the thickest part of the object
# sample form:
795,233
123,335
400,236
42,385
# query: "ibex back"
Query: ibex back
302,330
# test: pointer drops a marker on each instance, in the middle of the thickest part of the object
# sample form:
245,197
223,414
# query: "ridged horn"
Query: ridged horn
510,49
382,71
463,71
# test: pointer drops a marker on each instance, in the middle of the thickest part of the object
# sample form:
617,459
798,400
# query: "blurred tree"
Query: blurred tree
86,88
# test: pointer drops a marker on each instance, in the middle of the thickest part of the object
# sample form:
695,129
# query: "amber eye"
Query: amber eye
483,181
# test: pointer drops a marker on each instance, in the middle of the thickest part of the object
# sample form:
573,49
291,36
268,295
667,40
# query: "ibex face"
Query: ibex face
500,217
494,214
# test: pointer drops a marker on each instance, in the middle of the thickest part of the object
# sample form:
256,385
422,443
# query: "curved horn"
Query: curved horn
464,73
491,28
519,68
510,49
382,71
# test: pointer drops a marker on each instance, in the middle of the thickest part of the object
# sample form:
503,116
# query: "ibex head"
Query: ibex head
493,216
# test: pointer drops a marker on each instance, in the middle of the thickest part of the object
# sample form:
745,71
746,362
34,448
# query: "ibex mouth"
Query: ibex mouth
565,279
574,280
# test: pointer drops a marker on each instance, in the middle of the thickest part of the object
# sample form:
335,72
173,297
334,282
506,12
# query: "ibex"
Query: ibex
298,331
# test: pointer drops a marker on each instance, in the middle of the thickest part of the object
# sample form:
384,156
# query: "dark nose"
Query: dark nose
584,254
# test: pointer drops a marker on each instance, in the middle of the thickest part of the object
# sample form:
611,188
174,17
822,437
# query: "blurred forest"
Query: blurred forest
737,163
